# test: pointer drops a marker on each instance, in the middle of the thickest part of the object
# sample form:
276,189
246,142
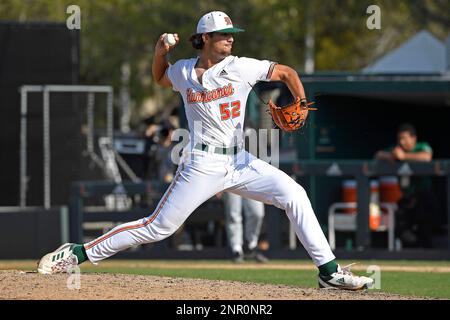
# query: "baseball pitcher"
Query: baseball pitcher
214,87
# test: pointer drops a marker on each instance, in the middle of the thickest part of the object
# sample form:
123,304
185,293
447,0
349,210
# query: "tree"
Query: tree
114,32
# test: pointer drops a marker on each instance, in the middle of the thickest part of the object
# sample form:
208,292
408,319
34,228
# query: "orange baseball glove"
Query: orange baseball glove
292,116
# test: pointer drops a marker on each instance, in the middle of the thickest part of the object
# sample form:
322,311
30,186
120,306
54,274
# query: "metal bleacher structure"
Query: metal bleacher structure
108,159
46,91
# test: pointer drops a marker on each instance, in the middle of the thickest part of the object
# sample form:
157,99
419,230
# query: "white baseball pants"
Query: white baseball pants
202,174
238,228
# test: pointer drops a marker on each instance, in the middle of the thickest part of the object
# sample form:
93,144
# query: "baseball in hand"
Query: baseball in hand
169,39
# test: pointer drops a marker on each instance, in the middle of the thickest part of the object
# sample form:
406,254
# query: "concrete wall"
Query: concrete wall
30,233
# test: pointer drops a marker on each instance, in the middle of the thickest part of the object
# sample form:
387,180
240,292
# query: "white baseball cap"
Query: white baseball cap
216,21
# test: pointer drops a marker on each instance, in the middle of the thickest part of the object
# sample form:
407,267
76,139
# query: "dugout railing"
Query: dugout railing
362,171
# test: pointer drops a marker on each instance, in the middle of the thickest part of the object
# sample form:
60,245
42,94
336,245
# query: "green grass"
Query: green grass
435,285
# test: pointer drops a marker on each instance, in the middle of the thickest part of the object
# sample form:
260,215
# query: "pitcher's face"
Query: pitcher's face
219,43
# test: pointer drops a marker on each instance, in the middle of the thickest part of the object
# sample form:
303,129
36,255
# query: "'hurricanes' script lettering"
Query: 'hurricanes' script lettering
207,96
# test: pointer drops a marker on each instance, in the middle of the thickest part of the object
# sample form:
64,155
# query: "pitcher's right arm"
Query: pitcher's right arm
160,63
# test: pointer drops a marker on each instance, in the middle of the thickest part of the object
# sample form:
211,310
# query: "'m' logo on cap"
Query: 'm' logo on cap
228,21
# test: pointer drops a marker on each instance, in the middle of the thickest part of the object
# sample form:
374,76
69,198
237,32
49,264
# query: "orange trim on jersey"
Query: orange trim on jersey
153,217
269,73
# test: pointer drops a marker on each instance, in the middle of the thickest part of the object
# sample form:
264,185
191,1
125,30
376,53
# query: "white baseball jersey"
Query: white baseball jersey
218,103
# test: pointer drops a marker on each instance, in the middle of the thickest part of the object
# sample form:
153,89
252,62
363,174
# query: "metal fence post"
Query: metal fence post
76,213
362,218
47,160
23,147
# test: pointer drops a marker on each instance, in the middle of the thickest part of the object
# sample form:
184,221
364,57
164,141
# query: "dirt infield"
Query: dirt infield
16,284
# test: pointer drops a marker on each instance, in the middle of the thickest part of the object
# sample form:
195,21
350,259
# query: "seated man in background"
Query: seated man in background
417,207
407,148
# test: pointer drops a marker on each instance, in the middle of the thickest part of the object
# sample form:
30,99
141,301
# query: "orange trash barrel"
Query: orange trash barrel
375,212
390,190
349,194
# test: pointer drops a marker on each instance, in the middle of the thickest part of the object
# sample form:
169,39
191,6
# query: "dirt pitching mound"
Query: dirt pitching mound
31,285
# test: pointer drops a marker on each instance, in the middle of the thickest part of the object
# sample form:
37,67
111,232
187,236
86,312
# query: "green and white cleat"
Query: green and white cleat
345,280
59,261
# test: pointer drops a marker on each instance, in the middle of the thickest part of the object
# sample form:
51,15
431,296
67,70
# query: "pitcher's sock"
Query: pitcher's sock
328,268
80,252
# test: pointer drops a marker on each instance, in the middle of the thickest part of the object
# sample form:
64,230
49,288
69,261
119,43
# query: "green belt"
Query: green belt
230,151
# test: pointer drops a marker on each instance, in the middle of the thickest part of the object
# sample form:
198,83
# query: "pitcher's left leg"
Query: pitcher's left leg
263,182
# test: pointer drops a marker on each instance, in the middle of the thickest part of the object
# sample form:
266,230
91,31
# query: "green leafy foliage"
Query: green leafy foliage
114,32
